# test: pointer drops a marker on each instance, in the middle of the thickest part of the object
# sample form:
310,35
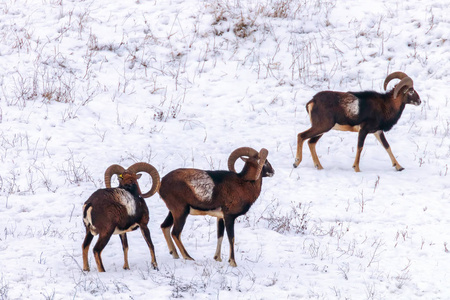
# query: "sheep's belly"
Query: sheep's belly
355,128
131,228
218,213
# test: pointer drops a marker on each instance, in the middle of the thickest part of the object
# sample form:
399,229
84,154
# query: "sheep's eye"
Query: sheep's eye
411,92
120,176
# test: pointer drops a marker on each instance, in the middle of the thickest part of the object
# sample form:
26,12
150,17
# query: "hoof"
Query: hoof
174,255
232,263
399,168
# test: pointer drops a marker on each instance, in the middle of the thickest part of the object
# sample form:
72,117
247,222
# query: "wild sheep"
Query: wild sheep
117,211
222,194
363,112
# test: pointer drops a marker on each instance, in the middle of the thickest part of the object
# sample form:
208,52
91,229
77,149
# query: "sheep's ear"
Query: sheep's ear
138,176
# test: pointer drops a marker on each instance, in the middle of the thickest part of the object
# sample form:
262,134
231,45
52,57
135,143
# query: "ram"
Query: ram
222,194
363,112
117,211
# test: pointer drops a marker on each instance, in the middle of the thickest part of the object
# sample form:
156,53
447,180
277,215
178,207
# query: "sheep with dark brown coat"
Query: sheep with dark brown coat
117,211
222,194
362,112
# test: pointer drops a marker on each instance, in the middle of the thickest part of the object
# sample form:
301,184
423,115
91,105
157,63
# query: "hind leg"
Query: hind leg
165,227
146,233
312,147
86,243
298,155
103,239
178,224
312,133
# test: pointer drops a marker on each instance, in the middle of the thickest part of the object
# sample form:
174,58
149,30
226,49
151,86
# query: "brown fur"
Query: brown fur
105,214
232,196
371,113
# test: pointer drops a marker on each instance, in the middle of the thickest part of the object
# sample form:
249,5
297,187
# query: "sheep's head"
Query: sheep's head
128,178
267,170
254,160
405,87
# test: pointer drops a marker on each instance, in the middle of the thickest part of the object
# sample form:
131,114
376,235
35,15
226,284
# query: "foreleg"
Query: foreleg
382,139
220,231
123,239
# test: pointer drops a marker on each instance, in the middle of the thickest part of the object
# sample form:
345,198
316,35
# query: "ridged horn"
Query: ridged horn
149,169
399,75
243,151
247,151
262,160
404,82
110,171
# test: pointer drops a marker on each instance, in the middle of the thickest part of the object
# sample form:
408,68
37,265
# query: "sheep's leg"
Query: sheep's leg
312,147
148,239
382,139
315,133
319,126
220,230
298,156
178,224
229,224
124,240
301,137
86,243
361,138
166,226
103,240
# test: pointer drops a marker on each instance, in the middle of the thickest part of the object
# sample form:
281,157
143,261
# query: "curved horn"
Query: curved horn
243,151
262,160
110,171
404,82
149,169
399,75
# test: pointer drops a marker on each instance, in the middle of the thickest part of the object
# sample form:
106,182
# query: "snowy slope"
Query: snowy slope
85,84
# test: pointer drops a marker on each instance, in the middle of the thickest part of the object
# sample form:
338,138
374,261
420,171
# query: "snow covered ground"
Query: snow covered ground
182,83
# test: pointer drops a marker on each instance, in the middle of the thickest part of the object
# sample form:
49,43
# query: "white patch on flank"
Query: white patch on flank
202,185
127,200
350,104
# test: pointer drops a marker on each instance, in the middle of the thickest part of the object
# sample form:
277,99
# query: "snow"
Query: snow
87,84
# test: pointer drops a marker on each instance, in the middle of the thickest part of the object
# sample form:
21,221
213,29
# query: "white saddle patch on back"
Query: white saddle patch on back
202,185
127,200
350,104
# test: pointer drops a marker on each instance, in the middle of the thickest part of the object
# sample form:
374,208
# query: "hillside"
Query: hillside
87,84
